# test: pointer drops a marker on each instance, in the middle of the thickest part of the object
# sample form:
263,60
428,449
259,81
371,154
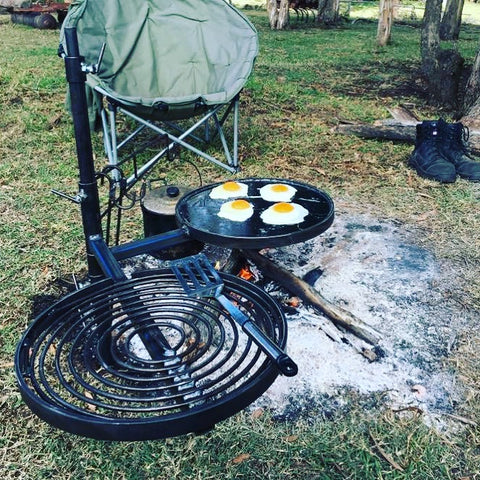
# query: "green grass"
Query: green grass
305,81
389,445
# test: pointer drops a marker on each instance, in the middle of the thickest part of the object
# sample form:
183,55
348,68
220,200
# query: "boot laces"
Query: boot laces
433,144
458,141
464,139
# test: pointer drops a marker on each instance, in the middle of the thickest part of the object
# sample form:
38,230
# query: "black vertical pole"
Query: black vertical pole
88,194
154,341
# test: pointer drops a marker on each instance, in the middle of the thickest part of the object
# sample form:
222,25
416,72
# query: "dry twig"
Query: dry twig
385,455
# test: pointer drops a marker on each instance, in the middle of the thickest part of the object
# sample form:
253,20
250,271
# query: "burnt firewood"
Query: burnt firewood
308,294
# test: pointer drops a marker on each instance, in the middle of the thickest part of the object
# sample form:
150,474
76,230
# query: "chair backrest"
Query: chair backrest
166,51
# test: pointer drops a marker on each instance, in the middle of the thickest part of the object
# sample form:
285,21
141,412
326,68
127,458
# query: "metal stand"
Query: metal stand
138,359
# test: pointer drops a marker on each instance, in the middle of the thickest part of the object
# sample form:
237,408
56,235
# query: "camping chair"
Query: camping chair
174,68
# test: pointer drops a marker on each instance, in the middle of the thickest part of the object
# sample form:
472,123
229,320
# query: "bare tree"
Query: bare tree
328,11
471,100
278,13
385,21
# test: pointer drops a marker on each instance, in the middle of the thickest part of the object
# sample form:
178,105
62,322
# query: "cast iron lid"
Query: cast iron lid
164,199
198,213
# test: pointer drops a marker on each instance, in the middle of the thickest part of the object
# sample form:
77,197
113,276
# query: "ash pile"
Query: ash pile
405,323
375,270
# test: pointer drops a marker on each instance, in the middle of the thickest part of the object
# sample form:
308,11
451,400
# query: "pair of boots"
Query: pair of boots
441,154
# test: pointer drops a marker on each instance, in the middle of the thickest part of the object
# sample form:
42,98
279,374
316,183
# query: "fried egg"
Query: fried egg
284,213
277,192
229,190
236,210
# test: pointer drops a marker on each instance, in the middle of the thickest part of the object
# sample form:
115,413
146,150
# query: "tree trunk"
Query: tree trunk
471,99
452,20
430,36
385,21
471,116
441,69
328,11
278,13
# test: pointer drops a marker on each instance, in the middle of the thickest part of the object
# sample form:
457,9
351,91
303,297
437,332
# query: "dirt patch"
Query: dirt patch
406,82
376,270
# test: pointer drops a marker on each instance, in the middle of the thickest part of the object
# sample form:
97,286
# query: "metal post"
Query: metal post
90,204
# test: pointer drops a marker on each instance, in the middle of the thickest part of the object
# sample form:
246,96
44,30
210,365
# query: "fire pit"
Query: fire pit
168,351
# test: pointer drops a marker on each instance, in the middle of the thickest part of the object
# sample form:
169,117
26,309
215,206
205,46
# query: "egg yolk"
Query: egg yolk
231,186
279,188
283,207
240,204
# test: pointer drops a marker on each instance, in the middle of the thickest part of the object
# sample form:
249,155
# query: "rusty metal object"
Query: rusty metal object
37,15
37,20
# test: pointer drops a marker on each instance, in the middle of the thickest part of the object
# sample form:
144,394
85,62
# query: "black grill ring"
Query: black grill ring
77,369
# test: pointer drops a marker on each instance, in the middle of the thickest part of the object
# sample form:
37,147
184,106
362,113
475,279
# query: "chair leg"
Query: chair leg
236,115
180,140
112,146
110,139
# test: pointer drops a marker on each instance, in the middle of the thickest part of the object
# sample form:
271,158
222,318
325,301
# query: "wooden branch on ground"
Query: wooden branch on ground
399,132
401,127
308,294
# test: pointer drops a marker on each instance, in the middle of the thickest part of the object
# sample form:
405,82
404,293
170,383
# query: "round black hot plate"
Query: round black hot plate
198,213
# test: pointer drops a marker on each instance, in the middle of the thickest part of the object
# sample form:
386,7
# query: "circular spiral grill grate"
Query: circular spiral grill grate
139,359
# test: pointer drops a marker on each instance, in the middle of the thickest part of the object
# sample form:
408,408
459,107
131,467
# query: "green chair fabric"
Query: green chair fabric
165,52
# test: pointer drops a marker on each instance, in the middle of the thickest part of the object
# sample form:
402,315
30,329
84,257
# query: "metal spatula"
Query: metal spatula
199,278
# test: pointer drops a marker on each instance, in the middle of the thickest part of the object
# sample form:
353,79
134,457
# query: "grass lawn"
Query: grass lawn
306,80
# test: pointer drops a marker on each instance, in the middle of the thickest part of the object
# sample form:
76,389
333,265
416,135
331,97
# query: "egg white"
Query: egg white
274,217
223,191
268,192
235,214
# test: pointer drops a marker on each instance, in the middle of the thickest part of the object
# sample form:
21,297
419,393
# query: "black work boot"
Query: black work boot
455,150
427,158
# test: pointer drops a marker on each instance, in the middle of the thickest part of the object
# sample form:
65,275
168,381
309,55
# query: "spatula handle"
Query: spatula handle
283,362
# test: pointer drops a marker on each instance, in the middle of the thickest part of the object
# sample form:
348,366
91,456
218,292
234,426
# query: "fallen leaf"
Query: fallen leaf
257,413
420,391
90,406
426,215
54,121
369,354
291,438
241,458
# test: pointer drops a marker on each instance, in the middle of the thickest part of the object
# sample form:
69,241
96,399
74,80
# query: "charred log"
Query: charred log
308,294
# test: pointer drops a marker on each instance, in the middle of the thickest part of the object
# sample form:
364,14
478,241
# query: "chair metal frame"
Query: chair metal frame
213,122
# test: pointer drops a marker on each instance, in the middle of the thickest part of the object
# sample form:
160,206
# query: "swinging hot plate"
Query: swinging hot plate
197,212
